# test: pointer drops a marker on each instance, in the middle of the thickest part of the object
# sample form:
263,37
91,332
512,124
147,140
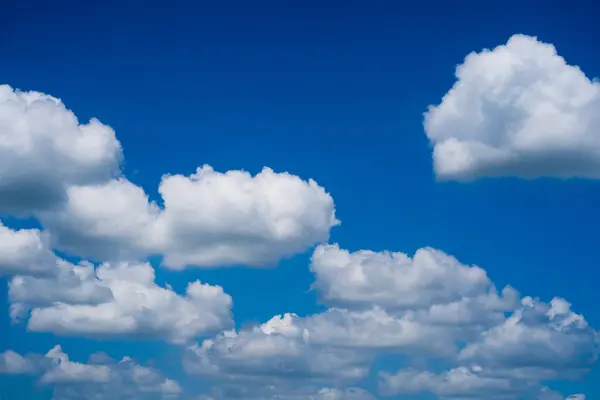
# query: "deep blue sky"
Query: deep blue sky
333,91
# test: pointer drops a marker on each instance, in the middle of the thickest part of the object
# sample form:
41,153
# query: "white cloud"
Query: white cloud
430,280
65,371
429,307
13,363
373,329
459,382
465,383
107,221
114,299
137,307
72,284
68,176
549,337
44,149
214,218
25,251
539,342
105,380
209,219
277,350
518,110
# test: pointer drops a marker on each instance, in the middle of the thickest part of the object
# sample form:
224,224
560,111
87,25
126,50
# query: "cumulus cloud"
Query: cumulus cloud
465,383
68,176
214,218
103,380
208,219
137,307
517,110
44,149
111,300
113,220
429,307
12,363
549,338
432,283
459,382
71,284
25,251
256,356
65,371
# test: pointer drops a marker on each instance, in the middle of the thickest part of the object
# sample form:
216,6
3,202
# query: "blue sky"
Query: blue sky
330,91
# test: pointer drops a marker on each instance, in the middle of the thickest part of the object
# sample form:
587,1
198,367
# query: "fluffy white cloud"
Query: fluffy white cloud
114,299
137,307
275,350
44,149
25,251
431,281
106,221
102,380
13,363
68,176
465,383
375,329
428,307
208,219
65,371
459,382
538,342
71,284
214,218
547,337
517,110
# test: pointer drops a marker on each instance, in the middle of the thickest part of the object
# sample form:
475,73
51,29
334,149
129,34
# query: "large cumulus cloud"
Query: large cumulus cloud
517,110
208,219
68,176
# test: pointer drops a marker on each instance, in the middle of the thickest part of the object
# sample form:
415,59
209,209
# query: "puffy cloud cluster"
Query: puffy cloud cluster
539,342
427,306
277,350
12,363
111,300
465,383
208,219
93,380
517,110
68,176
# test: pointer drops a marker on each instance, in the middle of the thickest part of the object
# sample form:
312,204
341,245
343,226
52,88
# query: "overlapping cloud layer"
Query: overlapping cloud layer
498,344
516,110
102,377
68,175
